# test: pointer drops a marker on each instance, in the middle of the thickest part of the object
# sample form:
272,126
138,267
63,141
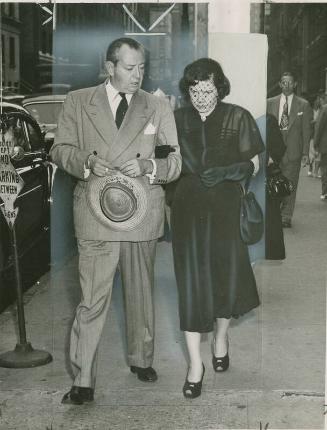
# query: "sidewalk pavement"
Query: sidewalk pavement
277,352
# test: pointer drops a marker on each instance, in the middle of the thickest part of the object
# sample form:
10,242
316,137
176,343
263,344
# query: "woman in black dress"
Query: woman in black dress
213,271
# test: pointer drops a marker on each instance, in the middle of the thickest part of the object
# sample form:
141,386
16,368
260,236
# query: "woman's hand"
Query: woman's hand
233,172
213,176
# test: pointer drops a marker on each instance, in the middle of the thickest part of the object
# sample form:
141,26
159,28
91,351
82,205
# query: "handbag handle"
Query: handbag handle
245,187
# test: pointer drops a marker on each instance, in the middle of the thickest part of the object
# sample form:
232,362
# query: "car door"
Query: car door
33,201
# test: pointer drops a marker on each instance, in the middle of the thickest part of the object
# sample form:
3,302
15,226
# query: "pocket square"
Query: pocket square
300,113
150,129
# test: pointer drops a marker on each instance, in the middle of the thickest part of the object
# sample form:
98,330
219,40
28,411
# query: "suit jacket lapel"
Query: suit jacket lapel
276,109
137,115
100,114
293,111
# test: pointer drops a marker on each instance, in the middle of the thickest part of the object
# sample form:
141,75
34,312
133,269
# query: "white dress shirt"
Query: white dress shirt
114,98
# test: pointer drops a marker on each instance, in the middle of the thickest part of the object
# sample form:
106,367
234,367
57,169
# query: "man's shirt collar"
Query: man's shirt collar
113,94
289,98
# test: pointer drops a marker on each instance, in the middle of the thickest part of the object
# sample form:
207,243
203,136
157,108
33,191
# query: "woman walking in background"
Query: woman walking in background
314,155
213,271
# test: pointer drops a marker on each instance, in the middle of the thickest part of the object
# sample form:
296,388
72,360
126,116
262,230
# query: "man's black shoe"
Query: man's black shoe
78,396
145,374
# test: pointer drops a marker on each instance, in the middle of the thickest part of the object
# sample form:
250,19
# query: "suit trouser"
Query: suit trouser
323,171
291,169
98,261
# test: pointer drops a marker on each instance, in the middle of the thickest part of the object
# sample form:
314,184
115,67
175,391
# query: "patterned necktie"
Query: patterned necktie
121,110
284,118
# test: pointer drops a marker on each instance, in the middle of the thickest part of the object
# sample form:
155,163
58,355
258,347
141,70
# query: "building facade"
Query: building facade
297,39
70,48
10,46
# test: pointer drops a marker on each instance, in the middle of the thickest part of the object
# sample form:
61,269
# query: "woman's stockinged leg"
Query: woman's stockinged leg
221,337
193,340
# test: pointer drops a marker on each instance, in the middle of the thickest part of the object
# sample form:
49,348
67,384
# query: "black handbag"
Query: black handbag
278,186
251,216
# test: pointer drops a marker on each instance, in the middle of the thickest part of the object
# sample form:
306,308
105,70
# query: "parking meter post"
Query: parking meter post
19,292
24,355
11,185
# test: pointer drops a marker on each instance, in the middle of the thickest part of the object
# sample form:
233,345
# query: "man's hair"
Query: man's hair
202,70
292,74
113,48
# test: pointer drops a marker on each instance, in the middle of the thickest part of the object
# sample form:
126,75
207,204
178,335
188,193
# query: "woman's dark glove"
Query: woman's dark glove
233,172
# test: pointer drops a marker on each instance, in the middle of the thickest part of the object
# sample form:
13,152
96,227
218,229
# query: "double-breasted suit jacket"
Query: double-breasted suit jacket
297,136
86,124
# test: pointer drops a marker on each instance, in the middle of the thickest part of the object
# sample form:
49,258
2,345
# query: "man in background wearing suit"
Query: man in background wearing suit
115,125
294,116
320,145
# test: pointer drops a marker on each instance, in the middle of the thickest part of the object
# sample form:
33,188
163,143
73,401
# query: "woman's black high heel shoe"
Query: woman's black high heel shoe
191,390
220,364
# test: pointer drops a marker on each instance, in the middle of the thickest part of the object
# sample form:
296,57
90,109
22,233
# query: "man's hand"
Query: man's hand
134,168
99,166
305,160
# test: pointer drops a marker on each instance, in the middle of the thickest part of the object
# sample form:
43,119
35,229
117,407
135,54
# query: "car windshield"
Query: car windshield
45,113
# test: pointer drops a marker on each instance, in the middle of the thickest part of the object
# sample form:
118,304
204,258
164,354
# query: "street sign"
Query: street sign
11,183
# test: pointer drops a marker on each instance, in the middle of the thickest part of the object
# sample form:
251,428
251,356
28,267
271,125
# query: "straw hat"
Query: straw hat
117,201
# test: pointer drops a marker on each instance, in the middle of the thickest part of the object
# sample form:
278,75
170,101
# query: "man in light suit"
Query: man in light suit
294,116
320,145
115,125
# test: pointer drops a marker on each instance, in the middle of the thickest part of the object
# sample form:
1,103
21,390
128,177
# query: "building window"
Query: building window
44,41
3,48
12,52
11,10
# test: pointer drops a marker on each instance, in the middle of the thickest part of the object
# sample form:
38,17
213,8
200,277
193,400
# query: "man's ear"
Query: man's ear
110,67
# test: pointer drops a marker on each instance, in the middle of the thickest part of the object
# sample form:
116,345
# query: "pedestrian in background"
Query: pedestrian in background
115,127
294,116
314,156
213,271
275,149
320,145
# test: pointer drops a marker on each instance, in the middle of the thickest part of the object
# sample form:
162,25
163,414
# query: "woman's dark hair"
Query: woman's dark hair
202,70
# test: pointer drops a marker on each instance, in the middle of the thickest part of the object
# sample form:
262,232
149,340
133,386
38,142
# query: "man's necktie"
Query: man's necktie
121,110
284,118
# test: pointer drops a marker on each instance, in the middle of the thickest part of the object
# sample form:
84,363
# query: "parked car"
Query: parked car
45,110
55,88
33,220
10,95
